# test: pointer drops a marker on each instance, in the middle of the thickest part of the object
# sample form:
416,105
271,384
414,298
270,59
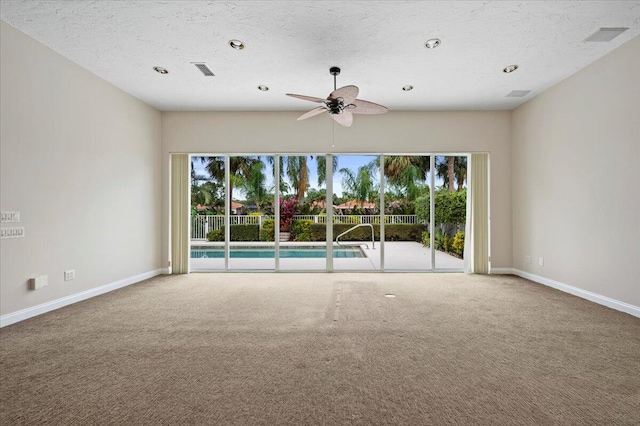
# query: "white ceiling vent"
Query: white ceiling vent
606,34
204,69
518,93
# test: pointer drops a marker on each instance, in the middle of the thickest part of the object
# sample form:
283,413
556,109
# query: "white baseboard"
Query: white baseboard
501,271
27,313
593,297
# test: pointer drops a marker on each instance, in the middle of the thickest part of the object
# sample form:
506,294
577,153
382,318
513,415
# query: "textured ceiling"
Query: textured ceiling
290,46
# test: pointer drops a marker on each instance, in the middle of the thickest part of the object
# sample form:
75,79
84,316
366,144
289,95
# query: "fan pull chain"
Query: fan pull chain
333,129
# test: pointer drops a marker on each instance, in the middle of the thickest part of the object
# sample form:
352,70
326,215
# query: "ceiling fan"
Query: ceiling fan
341,103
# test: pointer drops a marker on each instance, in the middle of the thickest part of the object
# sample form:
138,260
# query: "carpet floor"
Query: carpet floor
324,349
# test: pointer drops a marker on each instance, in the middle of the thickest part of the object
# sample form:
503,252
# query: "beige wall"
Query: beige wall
395,132
80,160
576,179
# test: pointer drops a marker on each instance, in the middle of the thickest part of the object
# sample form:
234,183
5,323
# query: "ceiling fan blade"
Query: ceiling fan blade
313,112
307,98
366,107
348,93
346,118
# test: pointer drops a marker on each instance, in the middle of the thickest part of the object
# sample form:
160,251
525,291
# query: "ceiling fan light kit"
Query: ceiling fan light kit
341,104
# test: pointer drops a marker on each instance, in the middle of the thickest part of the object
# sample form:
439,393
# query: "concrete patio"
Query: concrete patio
398,256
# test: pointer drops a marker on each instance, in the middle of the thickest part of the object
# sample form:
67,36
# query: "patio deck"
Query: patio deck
400,255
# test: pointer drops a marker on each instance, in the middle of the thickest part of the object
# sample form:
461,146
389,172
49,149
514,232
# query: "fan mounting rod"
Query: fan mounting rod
334,71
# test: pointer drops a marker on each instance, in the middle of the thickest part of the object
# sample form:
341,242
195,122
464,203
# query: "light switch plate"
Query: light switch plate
17,232
8,217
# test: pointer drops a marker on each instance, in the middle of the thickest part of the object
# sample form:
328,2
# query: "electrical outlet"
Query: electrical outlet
70,275
527,259
541,261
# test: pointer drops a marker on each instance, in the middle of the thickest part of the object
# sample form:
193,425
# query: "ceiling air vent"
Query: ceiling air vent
606,34
518,93
204,69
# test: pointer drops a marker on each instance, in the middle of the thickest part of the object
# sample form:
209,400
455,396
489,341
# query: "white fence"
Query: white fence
202,224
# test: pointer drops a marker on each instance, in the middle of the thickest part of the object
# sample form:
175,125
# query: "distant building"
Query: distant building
348,206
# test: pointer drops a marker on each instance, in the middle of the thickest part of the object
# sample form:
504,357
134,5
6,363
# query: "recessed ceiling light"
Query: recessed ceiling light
432,43
263,88
161,70
510,68
407,87
236,44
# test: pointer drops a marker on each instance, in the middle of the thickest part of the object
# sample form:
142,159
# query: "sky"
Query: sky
352,162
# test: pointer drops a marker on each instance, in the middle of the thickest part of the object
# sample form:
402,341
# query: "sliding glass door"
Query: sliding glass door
208,195
406,207
328,212
450,201
356,213
303,213
250,212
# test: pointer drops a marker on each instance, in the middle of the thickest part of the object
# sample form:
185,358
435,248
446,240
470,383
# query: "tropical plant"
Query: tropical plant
239,169
267,233
362,184
458,243
426,239
300,230
452,170
395,165
254,186
297,171
287,210
451,207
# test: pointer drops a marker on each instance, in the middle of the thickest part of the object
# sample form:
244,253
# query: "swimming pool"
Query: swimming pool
299,252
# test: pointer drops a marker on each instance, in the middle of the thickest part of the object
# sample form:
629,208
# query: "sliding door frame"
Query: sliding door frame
329,202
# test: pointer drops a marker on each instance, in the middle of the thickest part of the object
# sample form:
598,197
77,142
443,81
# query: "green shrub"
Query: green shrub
300,230
317,232
398,232
267,233
404,232
238,233
215,235
426,239
446,243
458,243
451,207
438,241
245,232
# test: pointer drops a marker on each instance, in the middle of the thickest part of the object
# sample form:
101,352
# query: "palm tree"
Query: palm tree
452,170
239,168
255,185
298,174
297,171
407,172
461,171
203,191
395,165
361,184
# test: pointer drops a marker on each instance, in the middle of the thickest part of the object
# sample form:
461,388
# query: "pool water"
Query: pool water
301,252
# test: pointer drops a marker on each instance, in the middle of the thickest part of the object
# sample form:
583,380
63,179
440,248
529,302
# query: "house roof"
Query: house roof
354,203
